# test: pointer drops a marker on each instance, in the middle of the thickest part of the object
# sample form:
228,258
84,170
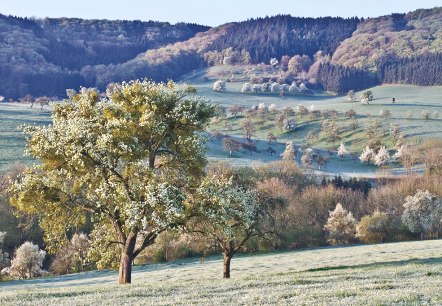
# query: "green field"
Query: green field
12,140
407,273
409,98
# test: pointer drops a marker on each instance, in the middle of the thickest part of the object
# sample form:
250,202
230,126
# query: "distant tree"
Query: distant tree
307,157
219,86
271,137
340,226
275,87
354,124
274,62
228,215
42,101
423,212
351,113
231,145
257,88
246,87
351,96
384,113
248,128
395,130
289,124
375,228
367,97
27,261
249,146
367,156
73,257
382,157
298,64
425,114
301,110
279,121
70,93
235,109
272,107
375,134
289,153
293,88
2,99
342,151
4,257
27,99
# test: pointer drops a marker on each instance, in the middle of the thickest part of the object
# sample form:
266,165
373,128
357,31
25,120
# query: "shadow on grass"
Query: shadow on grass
426,261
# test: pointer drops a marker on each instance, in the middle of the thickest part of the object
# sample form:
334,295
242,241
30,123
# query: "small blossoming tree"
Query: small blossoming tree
382,158
341,226
423,212
125,160
342,151
367,156
289,153
228,215
27,261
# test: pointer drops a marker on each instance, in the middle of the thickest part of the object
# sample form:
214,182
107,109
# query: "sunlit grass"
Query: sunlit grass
394,273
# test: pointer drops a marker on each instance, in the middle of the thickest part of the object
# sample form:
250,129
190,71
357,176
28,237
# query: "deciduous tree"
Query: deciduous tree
125,160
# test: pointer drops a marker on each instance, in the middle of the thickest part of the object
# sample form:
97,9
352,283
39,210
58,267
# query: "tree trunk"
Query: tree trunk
227,259
127,257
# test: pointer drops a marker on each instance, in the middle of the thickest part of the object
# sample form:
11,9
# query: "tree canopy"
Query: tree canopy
126,160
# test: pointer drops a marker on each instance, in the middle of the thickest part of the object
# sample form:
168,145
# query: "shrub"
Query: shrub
340,226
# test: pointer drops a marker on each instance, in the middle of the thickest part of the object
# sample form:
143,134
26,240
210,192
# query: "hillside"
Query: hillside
47,56
394,273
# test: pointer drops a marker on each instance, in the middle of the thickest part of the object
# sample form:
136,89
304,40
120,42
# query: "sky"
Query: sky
212,13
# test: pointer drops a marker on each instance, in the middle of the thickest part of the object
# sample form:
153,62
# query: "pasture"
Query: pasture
406,273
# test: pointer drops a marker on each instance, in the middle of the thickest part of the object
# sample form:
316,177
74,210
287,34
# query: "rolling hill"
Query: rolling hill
47,56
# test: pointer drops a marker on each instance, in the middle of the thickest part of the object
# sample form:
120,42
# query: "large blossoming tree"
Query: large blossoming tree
125,160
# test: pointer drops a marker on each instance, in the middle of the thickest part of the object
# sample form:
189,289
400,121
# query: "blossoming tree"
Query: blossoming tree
125,160
228,214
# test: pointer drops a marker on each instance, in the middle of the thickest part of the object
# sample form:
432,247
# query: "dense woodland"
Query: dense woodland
48,56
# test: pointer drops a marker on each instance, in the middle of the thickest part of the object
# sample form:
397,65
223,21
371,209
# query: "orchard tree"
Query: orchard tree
423,212
367,97
248,128
228,215
231,145
351,96
27,261
342,151
219,86
289,153
367,156
126,161
382,157
340,227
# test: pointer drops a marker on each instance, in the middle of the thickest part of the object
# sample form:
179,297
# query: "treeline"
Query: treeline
273,37
425,70
47,56
341,79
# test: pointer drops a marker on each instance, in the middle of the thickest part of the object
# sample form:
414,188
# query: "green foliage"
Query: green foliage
124,160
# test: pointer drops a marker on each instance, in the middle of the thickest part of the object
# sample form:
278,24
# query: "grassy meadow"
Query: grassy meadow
411,99
12,140
406,111
407,273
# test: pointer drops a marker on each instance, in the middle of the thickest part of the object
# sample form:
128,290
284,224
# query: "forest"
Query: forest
48,56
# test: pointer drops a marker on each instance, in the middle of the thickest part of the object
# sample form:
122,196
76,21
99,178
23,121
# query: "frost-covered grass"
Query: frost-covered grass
12,116
407,273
